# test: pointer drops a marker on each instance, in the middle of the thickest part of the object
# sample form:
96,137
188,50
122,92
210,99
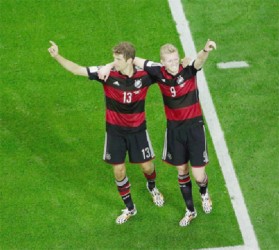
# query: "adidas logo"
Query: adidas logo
116,83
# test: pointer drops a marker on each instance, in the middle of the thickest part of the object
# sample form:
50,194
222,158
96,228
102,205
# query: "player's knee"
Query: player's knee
182,169
199,174
119,171
201,180
147,167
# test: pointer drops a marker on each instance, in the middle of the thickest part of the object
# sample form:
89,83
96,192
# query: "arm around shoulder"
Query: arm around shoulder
104,71
65,63
139,62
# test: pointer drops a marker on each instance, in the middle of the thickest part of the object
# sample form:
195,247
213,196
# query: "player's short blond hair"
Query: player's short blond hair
126,49
167,49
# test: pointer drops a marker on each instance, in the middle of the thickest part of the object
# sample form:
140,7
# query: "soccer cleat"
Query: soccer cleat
157,197
206,202
189,216
126,214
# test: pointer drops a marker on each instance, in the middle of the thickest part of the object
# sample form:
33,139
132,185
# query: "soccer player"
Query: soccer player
185,140
125,92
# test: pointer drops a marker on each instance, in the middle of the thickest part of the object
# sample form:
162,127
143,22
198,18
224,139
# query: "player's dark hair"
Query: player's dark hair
126,49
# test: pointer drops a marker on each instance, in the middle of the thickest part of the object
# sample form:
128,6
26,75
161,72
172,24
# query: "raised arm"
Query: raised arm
65,63
203,54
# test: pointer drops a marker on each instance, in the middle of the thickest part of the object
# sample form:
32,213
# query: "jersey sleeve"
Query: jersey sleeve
192,64
152,68
191,69
93,73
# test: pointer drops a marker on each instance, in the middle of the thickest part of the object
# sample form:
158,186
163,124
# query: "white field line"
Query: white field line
237,200
232,65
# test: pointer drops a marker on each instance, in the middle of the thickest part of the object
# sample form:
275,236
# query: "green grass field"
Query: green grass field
55,190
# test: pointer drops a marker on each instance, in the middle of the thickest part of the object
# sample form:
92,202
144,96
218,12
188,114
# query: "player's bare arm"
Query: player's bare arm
203,54
65,63
186,61
139,62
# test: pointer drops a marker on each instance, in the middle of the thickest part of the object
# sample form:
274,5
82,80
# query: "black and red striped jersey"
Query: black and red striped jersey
125,100
180,94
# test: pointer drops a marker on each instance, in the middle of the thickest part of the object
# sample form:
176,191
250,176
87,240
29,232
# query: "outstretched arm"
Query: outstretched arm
203,54
68,65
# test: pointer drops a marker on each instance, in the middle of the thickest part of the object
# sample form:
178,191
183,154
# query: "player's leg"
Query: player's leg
175,153
149,171
185,185
114,154
202,181
200,177
199,159
140,151
123,186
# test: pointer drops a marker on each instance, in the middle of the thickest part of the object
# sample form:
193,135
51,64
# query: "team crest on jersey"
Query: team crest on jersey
108,156
179,80
169,155
138,83
205,157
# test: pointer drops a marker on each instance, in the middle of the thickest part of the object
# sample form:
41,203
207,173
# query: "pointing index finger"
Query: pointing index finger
53,43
